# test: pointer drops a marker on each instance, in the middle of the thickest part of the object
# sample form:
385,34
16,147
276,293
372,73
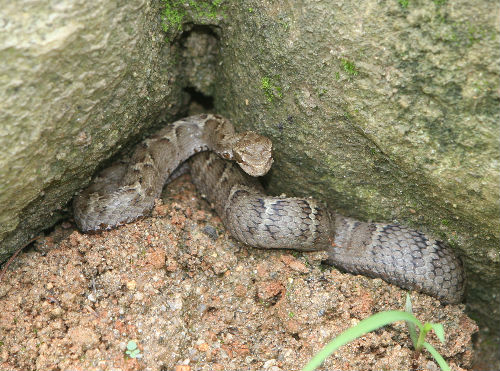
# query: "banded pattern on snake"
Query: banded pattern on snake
126,191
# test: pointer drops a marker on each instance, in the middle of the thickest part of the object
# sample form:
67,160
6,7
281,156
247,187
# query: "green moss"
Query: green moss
453,242
284,22
349,67
206,9
271,89
321,91
463,33
175,11
173,14
475,33
404,3
440,2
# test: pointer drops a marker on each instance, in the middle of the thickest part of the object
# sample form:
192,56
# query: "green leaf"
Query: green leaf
421,336
411,327
439,359
365,326
438,330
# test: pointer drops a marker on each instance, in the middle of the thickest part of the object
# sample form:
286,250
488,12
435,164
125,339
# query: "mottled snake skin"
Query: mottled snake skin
126,191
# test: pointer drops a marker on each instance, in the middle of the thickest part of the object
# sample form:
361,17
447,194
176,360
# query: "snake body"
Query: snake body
126,191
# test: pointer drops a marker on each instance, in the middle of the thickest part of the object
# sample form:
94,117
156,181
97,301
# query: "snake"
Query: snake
225,171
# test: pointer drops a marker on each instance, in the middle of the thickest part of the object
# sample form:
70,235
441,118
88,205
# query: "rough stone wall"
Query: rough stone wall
78,79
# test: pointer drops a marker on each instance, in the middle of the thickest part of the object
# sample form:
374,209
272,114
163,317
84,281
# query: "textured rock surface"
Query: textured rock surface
387,111
78,78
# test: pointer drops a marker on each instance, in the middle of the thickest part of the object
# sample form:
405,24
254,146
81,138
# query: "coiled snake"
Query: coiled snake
124,192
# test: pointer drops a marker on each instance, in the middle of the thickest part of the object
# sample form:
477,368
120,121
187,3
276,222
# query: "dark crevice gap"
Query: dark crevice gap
200,99
202,29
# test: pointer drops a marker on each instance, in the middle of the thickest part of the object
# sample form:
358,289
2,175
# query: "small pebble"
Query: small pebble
269,363
211,232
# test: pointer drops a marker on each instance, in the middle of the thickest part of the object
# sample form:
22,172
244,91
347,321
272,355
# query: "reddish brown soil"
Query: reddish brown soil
195,299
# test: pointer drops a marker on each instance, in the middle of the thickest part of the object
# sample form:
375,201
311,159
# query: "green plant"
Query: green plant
403,3
132,349
173,14
271,90
379,320
349,67
174,11
440,2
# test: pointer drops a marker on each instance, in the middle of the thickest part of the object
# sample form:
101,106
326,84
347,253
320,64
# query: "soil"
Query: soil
193,298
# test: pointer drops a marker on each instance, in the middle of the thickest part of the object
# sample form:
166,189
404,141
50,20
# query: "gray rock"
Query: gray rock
79,80
211,232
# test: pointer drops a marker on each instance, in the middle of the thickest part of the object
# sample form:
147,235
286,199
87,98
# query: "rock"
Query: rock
79,82
211,232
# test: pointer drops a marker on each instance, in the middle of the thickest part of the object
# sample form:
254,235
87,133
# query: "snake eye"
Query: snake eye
226,155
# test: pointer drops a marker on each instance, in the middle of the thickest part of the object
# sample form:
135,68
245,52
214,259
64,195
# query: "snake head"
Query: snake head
253,152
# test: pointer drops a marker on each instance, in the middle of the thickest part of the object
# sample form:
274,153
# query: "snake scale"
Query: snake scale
126,191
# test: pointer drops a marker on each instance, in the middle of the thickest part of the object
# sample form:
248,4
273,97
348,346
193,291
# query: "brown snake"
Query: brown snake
124,192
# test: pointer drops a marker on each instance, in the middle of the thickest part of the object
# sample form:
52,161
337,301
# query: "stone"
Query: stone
80,80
